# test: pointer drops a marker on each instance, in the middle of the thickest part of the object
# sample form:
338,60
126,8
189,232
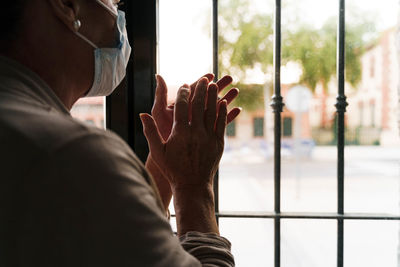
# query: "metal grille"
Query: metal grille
124,106
277,104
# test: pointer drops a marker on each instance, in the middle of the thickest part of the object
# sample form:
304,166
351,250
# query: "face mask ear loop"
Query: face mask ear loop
108,8
86,40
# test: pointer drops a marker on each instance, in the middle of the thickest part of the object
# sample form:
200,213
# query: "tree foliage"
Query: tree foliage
246,42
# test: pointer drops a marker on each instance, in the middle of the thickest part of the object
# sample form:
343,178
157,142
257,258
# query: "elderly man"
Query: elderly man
73,195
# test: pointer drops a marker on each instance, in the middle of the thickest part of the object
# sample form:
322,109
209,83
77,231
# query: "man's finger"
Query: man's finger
182,106
209,77
231,95
198,103
221,120
211,111
161,96
152,134
224,82
233,114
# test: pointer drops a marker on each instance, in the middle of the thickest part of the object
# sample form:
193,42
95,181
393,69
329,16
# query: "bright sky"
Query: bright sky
185,46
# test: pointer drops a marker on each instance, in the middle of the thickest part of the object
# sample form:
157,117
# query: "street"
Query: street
371,186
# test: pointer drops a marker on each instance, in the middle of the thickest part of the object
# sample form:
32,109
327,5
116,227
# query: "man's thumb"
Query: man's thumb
152,134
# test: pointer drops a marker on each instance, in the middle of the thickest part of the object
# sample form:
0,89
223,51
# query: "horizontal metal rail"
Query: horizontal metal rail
308,215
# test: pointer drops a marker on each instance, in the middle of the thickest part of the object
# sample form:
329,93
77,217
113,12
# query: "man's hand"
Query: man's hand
193,149
163,116
191,154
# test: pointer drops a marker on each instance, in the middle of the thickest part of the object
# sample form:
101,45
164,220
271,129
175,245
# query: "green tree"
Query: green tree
315,51
246,41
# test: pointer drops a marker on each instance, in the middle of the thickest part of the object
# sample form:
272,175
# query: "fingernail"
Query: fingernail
185,86
184,91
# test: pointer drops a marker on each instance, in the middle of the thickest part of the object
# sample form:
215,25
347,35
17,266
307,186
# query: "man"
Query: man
73,195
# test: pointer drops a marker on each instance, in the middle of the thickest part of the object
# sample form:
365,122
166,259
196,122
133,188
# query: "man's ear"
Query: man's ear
66,11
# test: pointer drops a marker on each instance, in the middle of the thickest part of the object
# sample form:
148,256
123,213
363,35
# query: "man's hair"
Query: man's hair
11,14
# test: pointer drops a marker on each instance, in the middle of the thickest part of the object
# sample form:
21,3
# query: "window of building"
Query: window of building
287,126
372,67
372,113
361,113
231,129
90,110
258,127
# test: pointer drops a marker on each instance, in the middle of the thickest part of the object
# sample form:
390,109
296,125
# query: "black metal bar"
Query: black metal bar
277,105
309,215
142,29
215,71
341,105
136,94
215,38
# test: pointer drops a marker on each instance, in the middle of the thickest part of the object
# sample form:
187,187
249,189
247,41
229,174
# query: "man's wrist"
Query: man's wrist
195,208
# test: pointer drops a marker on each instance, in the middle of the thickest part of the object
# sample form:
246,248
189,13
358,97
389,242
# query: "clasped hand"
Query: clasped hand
190,152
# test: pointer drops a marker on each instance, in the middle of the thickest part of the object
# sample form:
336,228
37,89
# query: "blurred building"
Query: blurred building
372,114
90,110
373,105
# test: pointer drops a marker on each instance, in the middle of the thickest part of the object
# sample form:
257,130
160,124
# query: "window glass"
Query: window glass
90,110
245,53
372,157
309,167
252,246
371,243
309,243
184,45
309,135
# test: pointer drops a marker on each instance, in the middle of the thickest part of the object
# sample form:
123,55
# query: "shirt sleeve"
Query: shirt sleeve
107,214
203,245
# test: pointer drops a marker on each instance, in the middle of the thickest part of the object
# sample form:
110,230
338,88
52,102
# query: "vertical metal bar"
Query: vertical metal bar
142,27
136,93
341,105
215,71
277,105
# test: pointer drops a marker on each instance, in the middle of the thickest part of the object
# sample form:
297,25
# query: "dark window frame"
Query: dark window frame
136,95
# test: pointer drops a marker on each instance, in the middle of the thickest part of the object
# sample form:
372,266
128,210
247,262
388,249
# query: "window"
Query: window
287,127
372,67
258,124
90,110
231,129
91,122
372,104
312,210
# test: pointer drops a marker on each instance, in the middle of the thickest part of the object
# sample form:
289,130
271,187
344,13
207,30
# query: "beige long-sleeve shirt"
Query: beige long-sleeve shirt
73,195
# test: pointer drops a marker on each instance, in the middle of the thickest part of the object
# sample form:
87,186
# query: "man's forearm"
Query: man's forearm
195,209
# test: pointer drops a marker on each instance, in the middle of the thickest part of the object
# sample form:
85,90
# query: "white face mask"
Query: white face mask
110,63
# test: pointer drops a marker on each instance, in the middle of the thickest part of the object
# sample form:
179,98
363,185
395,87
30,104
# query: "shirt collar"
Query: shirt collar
16,77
